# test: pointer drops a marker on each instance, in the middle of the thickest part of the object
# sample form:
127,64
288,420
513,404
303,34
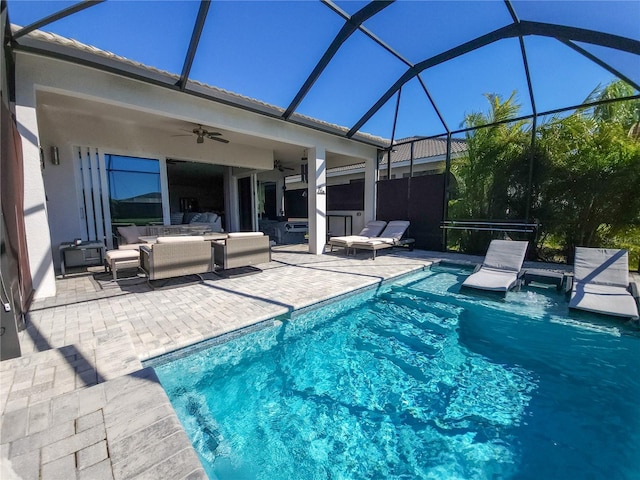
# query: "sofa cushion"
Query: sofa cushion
211,217
245,234
130,233
180,239
112,255
130,246
188,216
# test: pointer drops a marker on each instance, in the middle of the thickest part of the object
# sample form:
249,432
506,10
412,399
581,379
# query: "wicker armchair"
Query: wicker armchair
175,257
242,249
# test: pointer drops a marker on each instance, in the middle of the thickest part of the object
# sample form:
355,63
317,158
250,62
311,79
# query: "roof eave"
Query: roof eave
51,45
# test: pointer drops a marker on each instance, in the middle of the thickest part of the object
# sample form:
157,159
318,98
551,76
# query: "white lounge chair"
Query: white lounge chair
371,229
500,270
601,282
391,236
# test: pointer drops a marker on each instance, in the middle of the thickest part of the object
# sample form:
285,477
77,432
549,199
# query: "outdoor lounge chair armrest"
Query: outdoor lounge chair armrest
477,268
633,289
568,285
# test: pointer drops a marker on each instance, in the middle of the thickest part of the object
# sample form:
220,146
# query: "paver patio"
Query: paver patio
79,404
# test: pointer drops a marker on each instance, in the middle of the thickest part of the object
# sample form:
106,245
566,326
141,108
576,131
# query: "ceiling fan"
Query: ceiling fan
201,133
277,164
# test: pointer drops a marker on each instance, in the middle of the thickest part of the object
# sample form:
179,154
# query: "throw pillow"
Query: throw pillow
196,218
130,233
176,218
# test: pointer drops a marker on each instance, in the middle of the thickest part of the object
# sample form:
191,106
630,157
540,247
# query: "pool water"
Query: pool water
417,380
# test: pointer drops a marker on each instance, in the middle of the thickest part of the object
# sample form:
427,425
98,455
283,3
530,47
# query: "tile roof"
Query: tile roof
427,148
71,48
424,151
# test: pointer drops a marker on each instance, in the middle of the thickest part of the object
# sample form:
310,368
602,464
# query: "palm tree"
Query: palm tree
591,181
491,177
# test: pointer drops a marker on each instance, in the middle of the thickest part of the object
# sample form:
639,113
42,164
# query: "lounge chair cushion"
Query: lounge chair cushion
371,229
606,299
347,240
500,268
390,236
395,229
505,255
389,240
601,266
372,244
601,279
491,279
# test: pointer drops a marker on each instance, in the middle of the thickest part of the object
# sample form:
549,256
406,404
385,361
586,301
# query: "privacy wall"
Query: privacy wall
419,200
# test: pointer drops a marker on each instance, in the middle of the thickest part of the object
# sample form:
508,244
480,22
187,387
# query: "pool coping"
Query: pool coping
274,321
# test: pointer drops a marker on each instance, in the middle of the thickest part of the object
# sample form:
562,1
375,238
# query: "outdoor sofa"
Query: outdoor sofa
128,236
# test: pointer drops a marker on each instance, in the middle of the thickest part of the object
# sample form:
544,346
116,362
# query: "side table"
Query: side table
559,279
84,246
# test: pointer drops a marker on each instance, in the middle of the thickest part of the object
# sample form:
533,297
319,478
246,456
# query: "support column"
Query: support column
231,205
370,178
36,219
317,198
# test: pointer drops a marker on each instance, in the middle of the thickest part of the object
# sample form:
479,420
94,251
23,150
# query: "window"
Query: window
134,190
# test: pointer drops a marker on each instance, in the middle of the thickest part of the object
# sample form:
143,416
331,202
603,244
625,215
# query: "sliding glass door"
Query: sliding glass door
135,196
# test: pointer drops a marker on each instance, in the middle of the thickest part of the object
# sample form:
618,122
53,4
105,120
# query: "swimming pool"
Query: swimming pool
417,380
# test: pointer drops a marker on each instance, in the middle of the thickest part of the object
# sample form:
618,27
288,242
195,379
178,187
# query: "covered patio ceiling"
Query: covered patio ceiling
374,72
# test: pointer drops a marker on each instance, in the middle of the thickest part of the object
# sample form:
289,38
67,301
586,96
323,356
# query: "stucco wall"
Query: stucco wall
52,196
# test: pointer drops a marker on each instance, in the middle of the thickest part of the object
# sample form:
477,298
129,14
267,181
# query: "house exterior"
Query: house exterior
73,118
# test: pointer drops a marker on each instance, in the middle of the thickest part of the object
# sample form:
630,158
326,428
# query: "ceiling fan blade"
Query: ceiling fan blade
277,164
213,134
221,140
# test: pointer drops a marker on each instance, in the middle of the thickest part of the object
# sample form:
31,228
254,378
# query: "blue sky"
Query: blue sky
265,50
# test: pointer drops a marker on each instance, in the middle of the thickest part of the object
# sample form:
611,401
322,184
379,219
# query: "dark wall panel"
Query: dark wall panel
295,204
420,201
349,196
392,202
426,211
